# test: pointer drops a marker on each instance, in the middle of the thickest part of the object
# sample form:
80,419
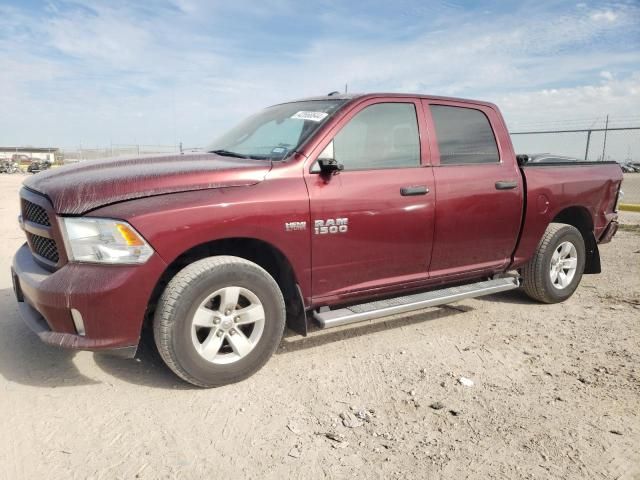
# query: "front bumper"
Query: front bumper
111,299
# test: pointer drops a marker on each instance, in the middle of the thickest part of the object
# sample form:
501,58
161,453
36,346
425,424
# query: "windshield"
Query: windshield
275,132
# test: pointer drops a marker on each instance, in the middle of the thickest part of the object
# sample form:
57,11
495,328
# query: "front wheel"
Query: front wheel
219,320
555,270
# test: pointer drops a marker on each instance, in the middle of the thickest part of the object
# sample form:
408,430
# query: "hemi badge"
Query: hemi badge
295,226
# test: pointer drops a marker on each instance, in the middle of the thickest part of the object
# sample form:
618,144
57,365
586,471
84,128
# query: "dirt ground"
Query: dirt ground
555,394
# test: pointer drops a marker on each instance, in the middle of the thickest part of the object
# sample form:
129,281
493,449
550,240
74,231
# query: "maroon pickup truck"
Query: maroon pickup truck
330,210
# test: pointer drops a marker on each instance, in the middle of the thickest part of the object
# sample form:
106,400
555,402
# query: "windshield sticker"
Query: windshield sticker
278,150
312,116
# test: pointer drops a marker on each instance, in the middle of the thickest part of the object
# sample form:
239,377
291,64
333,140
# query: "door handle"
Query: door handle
414,190
506,185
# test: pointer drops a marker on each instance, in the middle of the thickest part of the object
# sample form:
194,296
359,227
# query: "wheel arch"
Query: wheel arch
580,218
257,251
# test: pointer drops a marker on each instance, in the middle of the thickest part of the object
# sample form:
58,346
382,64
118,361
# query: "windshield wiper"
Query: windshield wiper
228,153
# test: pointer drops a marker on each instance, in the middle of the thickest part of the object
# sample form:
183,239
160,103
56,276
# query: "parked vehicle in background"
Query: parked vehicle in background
38,165
627,168
335,209
8,166
21,158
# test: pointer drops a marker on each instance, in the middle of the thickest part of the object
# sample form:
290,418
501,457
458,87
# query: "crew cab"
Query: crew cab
329,210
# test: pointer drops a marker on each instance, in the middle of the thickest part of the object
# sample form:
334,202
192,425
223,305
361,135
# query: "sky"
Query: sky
161,72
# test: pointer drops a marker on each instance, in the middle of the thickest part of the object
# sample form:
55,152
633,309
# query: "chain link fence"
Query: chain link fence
79,154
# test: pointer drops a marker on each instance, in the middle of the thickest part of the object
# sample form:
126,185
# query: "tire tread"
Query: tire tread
163,320
534,271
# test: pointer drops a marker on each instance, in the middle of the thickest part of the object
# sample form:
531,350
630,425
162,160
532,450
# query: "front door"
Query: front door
372,223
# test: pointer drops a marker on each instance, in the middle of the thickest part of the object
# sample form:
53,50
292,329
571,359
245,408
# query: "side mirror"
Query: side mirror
329,166
327,163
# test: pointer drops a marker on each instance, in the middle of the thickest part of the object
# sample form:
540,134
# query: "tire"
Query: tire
205,336
559,245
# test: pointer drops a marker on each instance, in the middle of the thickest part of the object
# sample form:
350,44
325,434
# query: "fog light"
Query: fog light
78,322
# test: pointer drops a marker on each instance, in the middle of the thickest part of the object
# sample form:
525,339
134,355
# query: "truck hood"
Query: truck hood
76,189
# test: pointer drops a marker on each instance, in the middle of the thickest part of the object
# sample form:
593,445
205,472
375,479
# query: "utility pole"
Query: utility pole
345,88
586,152
604,144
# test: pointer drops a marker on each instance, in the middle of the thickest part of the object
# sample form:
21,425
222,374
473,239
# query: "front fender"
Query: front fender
175,223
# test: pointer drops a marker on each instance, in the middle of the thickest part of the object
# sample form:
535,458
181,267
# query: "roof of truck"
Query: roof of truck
353,96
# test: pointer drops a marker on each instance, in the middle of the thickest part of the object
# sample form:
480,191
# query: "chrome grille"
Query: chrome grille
35,213
44,247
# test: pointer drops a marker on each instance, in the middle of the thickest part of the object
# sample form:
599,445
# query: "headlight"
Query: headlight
104,240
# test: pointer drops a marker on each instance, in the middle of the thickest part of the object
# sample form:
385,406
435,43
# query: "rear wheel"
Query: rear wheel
219,320
555,270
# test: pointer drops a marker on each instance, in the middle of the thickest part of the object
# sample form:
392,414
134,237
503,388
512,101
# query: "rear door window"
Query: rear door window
464,136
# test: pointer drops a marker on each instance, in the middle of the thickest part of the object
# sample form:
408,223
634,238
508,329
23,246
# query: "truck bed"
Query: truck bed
589,188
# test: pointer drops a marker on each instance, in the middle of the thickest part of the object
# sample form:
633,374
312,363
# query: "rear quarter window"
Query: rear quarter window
464,136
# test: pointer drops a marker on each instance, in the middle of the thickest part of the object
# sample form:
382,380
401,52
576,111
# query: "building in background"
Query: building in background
24,155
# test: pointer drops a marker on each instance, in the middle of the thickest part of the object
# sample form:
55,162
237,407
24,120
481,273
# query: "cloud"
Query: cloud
184,70
604,15
606,75
572,107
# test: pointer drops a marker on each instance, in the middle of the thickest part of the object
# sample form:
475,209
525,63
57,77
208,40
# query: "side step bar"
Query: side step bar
408,303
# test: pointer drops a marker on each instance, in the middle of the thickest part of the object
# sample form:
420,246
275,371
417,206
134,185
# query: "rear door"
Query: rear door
479,191
372,224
